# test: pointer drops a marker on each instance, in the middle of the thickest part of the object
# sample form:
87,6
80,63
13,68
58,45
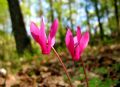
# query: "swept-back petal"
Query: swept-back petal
43,38
38,36
53,30
35,31
77,53
84,41
78,33
42,32
70,42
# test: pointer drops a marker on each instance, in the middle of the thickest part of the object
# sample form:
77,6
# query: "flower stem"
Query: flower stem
63,65
85,72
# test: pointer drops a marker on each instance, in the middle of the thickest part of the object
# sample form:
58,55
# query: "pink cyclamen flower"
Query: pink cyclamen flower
40,36
77,44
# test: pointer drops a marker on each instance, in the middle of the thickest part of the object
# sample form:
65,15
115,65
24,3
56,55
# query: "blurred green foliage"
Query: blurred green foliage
3,11
61,10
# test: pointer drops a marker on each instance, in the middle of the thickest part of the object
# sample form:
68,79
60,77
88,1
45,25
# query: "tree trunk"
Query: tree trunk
51,9
70,13
106,8
98,17
18,27
61,30
117,15
88,19
107,13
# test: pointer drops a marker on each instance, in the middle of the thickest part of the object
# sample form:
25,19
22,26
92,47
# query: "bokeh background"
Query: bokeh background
23,65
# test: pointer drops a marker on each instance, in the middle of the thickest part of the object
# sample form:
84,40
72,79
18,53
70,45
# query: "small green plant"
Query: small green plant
101,70
94,82
97,82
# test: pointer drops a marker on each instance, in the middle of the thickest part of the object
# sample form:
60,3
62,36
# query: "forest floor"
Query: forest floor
102,65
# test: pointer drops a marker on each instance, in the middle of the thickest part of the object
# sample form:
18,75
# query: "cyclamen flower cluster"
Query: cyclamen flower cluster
75,45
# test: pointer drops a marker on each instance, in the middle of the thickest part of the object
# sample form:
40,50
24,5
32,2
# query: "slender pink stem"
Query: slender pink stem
86,78
64,67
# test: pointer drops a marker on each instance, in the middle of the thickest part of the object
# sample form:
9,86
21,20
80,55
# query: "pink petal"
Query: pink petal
69,42
75,40
53,30
77,53
52,41
78,33
37,35
84,41
43,38
35,31
42,32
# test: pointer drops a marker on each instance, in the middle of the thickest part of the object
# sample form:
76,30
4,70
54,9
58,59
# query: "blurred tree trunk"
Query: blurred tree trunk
117,14
59,11
51,9
61,31
40,12
70,14
99,19
18,27
107,13
88,19
106,8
